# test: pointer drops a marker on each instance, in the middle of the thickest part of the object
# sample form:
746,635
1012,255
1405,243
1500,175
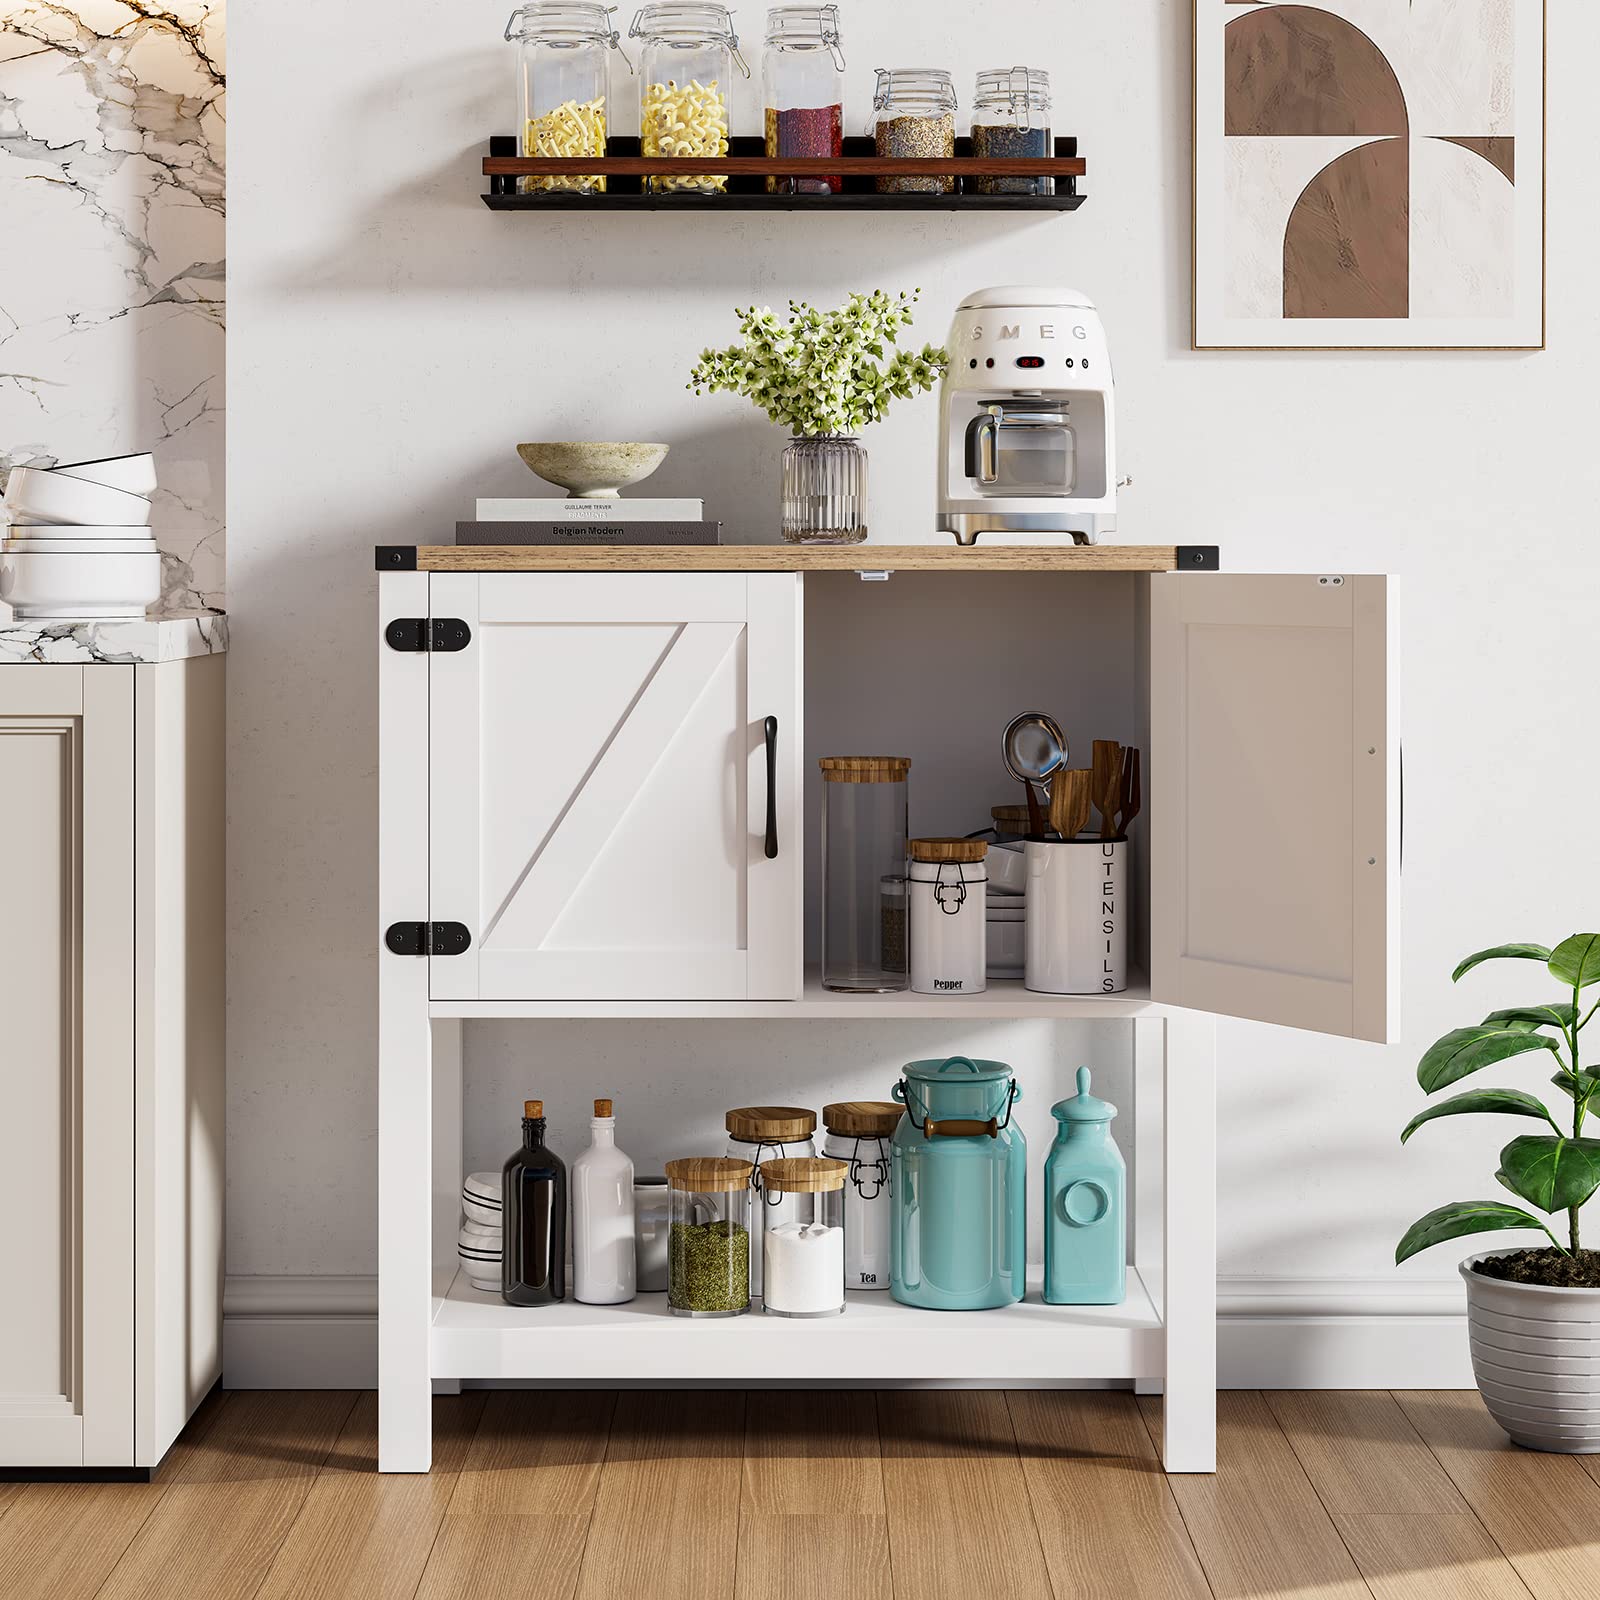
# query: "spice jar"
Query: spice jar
563,86
949,911
858,1134
802,70
1011,118
762,1133
708,1246
802,1237
863,847
685,69
914,114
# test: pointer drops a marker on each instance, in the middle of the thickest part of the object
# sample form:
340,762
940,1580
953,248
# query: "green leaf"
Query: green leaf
1527,1017
1513,1102
1524,952
1462,1217
1576,961
1466,1050
1586,1084
1550,1172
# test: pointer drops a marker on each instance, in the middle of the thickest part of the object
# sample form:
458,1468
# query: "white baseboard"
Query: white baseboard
1272,1333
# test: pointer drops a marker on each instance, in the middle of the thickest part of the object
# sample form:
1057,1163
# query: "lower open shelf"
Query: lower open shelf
478,1336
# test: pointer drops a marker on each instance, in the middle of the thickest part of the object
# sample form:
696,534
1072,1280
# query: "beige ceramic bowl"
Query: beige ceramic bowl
592,471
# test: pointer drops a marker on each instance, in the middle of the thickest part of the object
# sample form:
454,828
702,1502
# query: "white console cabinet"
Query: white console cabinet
111,1039
598,798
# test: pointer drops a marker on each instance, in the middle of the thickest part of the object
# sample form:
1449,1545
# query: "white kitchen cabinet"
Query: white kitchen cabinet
111,1096
574,797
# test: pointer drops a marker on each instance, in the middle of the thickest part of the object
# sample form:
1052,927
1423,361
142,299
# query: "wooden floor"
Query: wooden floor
904,1496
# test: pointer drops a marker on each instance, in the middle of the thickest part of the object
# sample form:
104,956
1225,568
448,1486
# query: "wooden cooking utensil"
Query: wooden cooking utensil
1069,802
1132,791
1106,783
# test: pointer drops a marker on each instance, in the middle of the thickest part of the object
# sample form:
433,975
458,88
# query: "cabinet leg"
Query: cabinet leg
405,1255
1189,1271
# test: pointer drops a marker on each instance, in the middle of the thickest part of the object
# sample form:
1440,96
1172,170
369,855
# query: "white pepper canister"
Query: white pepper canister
767,1133
949,892
858,1134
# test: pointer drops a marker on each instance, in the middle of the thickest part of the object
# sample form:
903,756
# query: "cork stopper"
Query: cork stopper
864,769
862,1119
709,1174
803,1175
533,1108
602,1108
771,1124
966,850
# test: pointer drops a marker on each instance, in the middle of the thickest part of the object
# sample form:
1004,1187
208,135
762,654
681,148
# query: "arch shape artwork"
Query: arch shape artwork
1347,244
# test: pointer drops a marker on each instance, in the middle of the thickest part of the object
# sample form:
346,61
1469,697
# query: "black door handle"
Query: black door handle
772,788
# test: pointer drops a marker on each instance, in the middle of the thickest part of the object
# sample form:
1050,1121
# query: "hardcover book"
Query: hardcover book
588,532
549,509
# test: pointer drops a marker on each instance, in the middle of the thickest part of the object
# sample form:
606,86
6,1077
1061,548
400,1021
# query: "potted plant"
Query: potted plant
823,376
1533,1315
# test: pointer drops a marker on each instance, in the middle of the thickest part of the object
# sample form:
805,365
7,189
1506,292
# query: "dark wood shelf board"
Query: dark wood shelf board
783,202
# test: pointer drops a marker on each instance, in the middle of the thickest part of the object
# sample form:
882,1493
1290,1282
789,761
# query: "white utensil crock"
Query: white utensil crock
1077,932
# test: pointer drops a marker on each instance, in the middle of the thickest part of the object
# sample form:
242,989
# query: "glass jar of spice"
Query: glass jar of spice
914,114
685,70
708,1243
1011,118
802,70
563,87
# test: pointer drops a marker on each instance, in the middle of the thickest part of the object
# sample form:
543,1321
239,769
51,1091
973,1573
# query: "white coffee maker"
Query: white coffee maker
1027,425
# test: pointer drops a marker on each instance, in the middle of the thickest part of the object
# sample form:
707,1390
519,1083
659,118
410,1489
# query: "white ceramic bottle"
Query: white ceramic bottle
603,1271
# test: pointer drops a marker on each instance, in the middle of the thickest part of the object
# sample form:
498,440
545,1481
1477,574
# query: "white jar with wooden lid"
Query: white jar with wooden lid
949,928
768,1133
803,1237
858,1133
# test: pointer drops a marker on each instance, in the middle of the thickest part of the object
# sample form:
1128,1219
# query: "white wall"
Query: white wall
392,340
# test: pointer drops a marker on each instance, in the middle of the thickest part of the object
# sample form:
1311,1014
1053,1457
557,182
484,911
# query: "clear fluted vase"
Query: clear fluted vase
824,490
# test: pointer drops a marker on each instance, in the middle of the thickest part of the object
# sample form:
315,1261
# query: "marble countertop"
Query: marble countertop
114,641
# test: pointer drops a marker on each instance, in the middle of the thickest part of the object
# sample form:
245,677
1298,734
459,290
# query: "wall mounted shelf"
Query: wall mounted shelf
748,167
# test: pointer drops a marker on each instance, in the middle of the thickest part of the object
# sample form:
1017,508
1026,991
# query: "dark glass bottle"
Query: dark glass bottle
533,1265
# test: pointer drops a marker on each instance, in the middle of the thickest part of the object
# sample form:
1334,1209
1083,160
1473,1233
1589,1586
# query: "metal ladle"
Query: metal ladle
1034,747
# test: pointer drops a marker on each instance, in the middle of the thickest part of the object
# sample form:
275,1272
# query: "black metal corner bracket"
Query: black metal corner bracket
427,938
1199,558
395,557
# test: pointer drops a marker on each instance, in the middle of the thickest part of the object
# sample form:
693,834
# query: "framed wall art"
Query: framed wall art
1369,174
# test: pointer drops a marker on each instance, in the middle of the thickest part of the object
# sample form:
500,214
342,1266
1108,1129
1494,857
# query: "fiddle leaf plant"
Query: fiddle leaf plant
1555,1171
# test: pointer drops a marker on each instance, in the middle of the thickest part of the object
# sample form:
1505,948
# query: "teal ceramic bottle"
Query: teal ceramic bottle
959,1170
1085,1197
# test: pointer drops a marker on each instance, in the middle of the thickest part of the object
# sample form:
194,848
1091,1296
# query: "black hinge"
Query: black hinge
445,634
427,938
1199,558
395,557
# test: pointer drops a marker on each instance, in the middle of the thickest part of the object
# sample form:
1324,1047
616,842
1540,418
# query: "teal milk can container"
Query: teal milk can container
1085,1197
959,1168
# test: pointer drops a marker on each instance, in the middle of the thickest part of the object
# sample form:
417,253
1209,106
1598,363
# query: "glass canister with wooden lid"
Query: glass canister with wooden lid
802,1237
758,1134
708,1241
864,820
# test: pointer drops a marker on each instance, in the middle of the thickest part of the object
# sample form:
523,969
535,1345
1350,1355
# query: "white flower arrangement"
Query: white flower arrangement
822,372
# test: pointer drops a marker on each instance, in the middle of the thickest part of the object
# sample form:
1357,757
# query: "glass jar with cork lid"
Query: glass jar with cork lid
914,114
686,65
802,1237
708,1242
564,53
864,819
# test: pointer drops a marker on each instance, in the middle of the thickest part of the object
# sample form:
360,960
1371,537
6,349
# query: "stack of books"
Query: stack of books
551,521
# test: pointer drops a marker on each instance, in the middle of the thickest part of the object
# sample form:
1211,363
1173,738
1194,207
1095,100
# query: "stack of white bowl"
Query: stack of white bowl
481,1233
1006,911
79,542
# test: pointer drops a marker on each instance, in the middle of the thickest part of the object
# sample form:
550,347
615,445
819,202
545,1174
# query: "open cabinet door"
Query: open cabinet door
1274,800
614,786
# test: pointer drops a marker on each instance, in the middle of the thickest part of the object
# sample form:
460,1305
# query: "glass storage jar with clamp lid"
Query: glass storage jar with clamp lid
1011,119
685,71
802,70
708,1244
564,88
762,1133
914,114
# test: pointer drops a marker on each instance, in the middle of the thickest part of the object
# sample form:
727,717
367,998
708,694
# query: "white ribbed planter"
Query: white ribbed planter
1536,1356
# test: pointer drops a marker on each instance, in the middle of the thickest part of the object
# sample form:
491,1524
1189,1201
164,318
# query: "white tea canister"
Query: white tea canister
1077,925
949,885
858,1134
